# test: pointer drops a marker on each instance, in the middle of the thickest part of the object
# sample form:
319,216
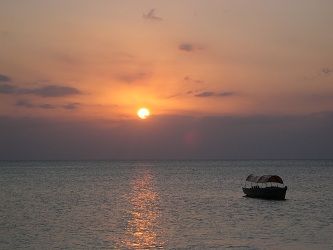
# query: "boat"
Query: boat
265,187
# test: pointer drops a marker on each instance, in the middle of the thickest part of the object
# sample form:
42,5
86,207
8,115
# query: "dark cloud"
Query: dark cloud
53,91
71,106
170,137
151,16
193,91
25,104
47,106
187,47
223,94
4,78
205,94
46,91
8,89
214,94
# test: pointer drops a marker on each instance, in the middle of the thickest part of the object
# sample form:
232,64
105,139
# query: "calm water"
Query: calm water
163,204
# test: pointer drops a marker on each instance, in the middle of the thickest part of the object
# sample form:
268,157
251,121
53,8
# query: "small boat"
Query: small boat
271,187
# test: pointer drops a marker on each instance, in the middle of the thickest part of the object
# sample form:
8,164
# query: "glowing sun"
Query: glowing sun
143,113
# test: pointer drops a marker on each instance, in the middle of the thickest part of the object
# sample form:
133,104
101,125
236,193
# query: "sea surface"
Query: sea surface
162,205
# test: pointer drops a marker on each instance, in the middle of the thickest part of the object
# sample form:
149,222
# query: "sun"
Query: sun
143,113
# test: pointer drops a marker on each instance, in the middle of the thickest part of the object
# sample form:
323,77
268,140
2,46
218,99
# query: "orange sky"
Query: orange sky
103,60
191,57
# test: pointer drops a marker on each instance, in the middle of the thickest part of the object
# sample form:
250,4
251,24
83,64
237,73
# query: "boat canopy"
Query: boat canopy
264,178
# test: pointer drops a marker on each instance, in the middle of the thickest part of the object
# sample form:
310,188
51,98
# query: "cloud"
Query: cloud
188,79
25,104
223,94
46,91
47,106
54,91
188,47
322,73
205,94
169,137
130,78
214,94
199,81
71,106
327,71
8,89
4,78
151,16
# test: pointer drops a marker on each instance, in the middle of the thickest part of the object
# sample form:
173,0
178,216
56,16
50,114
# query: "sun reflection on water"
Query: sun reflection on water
143,213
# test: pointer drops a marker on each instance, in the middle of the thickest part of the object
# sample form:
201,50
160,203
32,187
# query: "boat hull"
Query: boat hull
271,193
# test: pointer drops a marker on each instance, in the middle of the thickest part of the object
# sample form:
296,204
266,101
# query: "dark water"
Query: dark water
163,204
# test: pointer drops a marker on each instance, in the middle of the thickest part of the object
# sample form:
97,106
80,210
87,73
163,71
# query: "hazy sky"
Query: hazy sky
222,79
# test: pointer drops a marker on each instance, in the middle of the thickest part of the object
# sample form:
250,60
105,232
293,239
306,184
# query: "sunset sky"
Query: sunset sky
222,79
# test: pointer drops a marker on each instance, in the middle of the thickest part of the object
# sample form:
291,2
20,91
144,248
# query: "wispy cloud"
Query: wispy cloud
71,106
151,16
188,79
327,71
205,94
189,47
47,106
214,94
45,91
4,78
133,77
323,72
223,94
27,104
186,47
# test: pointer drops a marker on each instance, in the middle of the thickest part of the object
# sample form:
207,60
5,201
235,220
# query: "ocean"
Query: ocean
163,205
